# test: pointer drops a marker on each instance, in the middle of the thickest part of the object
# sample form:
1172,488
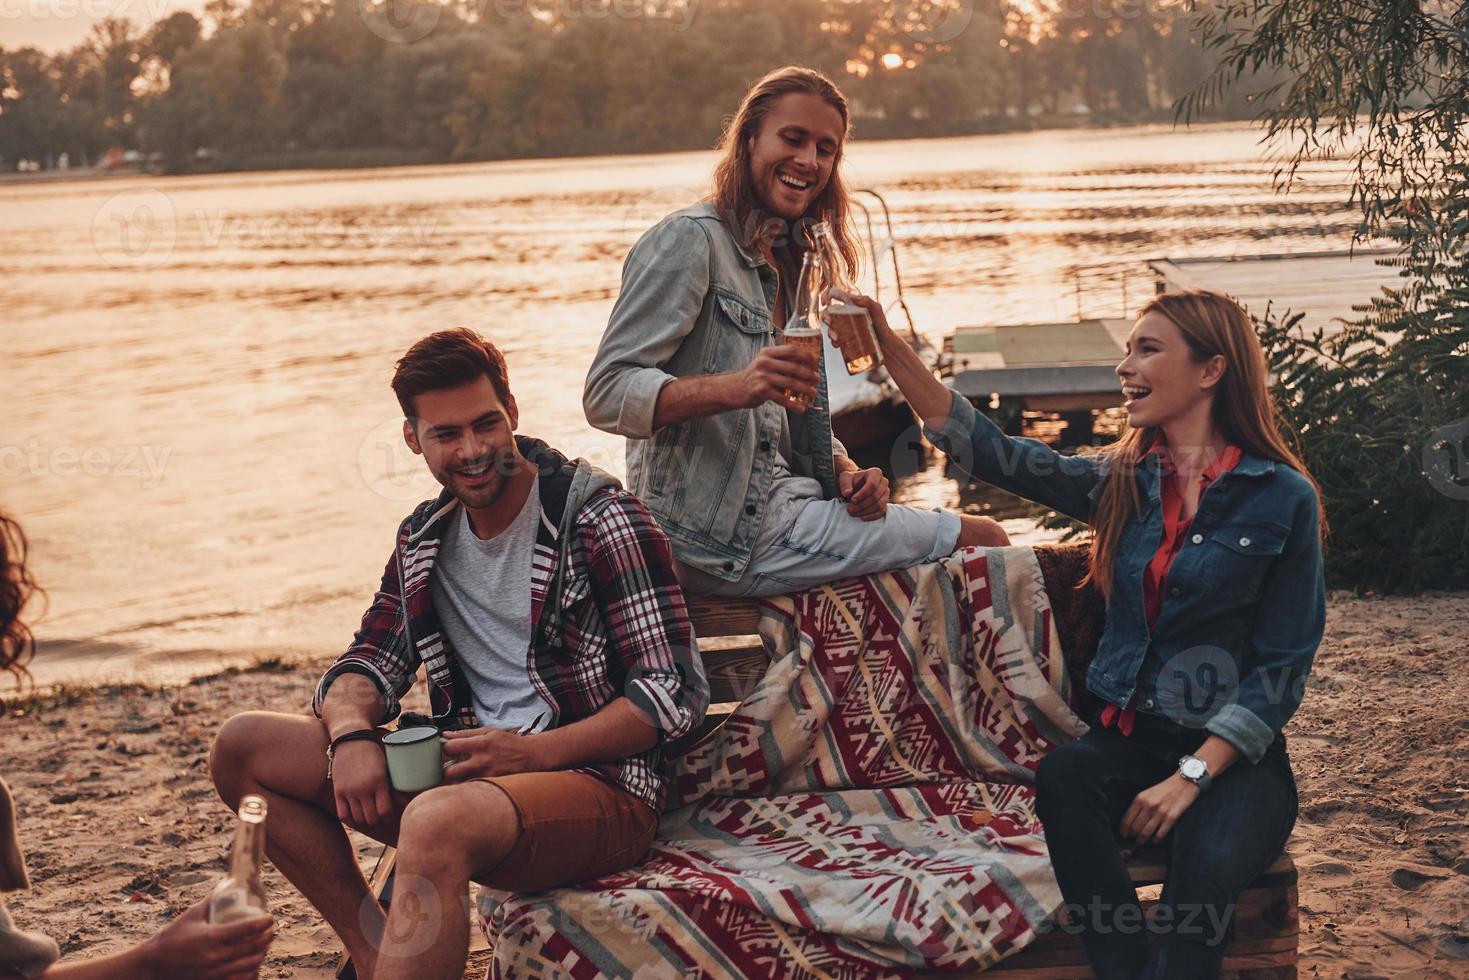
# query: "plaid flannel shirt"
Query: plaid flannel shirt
608,619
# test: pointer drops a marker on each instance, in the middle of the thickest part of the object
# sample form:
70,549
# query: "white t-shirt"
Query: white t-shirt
481,592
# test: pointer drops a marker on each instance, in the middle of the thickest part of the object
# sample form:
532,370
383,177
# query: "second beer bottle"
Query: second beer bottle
803,329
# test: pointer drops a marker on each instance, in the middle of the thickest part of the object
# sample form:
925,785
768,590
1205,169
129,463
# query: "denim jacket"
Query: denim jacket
695,302
1246,598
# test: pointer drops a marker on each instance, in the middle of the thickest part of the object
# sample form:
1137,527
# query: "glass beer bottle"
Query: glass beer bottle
803,329
850,326
240,895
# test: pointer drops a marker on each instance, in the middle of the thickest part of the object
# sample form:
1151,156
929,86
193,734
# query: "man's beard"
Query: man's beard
479,497
502,465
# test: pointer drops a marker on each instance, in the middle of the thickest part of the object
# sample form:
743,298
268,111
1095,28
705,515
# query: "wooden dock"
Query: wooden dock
1070,367
1052,367
1324,286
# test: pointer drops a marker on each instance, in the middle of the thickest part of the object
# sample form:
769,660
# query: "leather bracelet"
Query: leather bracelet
362,734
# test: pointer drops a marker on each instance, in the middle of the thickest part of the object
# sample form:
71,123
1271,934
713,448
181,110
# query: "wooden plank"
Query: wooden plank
722,617
974,340
991,361
714,720
1322,285
1018,382
1073,403
1057,344
380,885
1149,866
733,674
1257,943
1019,345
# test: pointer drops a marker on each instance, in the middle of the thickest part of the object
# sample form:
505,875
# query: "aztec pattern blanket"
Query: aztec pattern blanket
865,812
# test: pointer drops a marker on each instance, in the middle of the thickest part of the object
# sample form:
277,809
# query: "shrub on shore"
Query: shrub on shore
1382,409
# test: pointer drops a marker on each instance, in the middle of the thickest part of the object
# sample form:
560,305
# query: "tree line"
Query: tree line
274,83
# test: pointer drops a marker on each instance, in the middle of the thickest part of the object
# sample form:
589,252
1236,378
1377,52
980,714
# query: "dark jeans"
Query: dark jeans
1223,841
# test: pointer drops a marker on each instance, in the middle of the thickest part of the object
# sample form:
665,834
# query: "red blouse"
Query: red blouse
1175,532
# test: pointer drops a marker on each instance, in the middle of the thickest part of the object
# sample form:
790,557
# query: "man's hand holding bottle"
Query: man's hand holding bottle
775,375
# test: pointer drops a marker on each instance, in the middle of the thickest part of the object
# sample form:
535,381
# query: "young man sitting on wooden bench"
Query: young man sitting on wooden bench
541,600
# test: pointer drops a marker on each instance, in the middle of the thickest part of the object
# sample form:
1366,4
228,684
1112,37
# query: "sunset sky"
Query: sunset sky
55,25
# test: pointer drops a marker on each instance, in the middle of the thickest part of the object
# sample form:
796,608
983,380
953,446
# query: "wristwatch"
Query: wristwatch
1196,771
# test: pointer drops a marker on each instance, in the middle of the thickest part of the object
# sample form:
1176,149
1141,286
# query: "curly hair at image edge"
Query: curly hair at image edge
16,589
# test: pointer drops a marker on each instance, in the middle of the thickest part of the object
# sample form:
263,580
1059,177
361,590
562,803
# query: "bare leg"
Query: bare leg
283,758
448,834
981,532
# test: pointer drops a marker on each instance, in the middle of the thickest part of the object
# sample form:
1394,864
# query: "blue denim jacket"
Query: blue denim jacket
694,301
1246,601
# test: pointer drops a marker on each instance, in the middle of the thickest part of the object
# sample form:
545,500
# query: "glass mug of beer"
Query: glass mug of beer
851,330
850,325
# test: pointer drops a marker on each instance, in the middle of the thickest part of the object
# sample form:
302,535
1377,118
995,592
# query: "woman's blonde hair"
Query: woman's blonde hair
1244,413
16,588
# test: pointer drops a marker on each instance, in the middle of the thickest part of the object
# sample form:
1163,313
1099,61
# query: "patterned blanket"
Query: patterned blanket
866,811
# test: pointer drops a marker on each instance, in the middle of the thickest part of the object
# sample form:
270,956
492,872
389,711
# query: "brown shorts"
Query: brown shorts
573,826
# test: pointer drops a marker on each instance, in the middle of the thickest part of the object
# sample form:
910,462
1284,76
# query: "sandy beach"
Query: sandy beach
123,829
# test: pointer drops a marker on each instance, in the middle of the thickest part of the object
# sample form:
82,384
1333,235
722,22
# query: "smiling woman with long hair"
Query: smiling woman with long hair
1207,545
188,947
16,589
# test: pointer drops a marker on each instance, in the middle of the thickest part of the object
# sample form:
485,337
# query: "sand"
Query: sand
123,830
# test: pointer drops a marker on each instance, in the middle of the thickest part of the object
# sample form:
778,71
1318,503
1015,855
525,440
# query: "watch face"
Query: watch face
1192,768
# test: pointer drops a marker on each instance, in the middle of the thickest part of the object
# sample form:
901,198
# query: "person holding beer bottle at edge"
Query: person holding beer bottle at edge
729,430
190,947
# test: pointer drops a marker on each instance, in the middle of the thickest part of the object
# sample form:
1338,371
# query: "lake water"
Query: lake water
198,433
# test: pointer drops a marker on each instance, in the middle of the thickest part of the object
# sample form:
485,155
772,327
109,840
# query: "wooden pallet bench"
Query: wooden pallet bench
1266,926
1266,923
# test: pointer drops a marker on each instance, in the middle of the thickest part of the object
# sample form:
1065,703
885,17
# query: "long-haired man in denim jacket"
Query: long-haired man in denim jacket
755,493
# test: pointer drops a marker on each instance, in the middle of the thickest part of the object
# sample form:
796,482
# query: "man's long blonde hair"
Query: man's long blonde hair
734,191
1244,413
